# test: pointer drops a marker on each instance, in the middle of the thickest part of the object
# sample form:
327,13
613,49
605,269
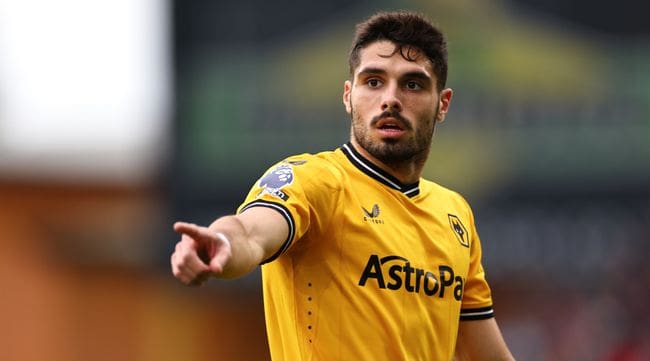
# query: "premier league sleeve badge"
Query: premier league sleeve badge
276,179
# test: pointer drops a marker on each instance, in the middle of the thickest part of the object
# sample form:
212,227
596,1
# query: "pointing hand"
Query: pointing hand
201,252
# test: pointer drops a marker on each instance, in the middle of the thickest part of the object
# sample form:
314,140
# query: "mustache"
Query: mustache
404,123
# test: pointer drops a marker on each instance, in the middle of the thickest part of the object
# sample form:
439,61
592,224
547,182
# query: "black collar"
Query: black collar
367,167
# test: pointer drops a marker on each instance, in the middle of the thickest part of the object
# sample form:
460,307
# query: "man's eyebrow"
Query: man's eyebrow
417,75
371,71
409,75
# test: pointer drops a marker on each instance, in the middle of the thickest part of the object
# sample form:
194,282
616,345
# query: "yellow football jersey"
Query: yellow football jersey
373,269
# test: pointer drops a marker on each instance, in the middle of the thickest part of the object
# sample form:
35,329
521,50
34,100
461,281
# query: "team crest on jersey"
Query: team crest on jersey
459,230
279,177
372,215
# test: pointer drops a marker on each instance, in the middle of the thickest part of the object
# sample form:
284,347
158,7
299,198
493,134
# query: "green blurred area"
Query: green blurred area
536,104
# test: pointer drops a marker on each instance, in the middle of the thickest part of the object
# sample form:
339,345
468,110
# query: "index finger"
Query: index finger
191,230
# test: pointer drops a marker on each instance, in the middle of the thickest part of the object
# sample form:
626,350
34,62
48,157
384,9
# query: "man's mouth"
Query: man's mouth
391,128
390,124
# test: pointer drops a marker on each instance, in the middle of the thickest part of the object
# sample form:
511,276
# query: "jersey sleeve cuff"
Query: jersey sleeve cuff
287,216
471,314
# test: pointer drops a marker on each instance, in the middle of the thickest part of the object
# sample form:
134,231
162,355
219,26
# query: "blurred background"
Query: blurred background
117,118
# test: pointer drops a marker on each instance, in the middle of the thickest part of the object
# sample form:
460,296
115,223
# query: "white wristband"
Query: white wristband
223,237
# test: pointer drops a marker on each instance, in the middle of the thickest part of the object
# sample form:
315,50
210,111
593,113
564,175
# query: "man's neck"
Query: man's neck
407,172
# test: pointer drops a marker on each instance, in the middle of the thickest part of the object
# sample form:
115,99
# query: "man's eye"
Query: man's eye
411,85
373,83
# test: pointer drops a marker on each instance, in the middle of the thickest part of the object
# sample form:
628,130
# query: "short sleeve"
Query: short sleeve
477,296
303,189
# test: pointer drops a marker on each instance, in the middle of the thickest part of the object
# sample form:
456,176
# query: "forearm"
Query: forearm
481,340
254,236
246,252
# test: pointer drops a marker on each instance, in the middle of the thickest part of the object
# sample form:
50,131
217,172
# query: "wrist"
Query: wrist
223,238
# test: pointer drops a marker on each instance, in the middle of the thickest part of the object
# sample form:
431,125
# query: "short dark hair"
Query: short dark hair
406,30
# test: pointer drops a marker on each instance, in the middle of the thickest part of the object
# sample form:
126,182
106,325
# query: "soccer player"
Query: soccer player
362,259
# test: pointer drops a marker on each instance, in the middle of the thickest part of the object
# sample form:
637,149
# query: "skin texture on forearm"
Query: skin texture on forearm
481,340
254,236
246,254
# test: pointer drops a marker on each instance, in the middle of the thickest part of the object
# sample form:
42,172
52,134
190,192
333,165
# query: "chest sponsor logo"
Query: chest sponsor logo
459,230
372,215
395,273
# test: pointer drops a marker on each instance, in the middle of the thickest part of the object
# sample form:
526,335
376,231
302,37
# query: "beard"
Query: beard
395,151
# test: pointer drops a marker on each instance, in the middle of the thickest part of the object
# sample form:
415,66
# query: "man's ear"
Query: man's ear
347,89
443,104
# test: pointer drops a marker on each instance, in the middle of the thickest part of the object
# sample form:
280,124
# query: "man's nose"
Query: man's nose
390,100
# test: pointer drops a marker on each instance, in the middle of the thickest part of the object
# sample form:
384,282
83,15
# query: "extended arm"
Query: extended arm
230,247
481,340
